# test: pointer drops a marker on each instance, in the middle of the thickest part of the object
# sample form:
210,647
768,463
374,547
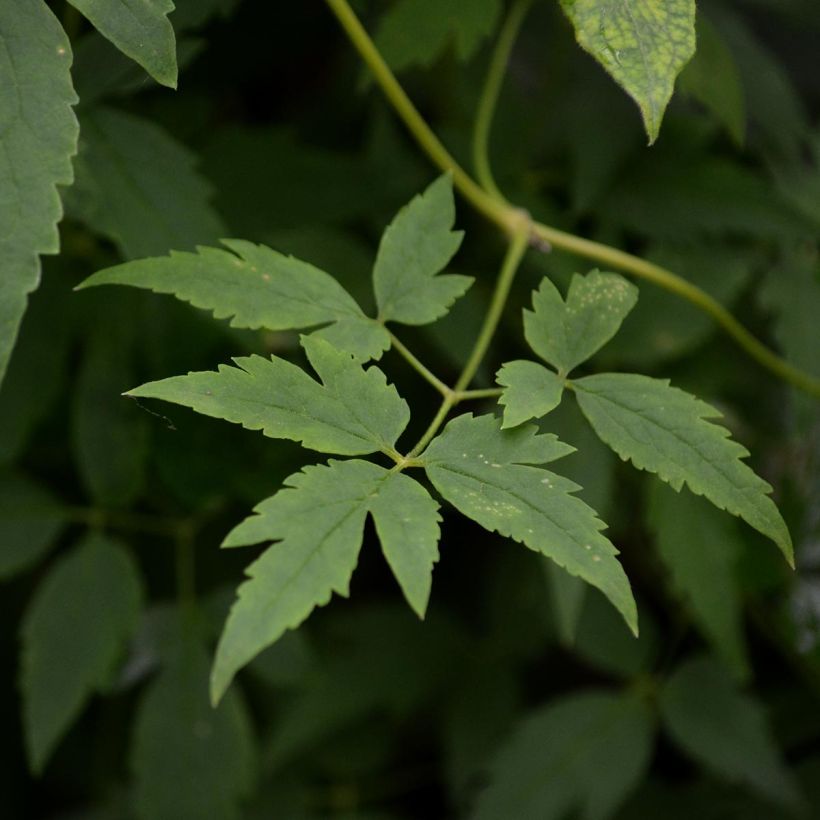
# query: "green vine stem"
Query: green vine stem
506,216
490,94
512,260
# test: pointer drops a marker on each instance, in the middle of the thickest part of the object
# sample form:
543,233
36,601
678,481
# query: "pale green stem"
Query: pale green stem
515,253
506,216
420,368
490,94
471,395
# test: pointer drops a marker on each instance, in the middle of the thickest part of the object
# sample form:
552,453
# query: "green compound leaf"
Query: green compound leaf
352,412
415,247
566,333
725,730
700,547
642,44
530,391
318,522
189,759
78,622
31,520
481,470
256,287
39,137
665,430
417,32
139,29
139,187
579,756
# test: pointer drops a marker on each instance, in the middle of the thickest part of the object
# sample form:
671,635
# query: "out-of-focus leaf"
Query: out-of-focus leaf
39,134
140,29
417,32
139,187
74,631
700,548
583,753
642,44
725,730
189,759
30,522
713,79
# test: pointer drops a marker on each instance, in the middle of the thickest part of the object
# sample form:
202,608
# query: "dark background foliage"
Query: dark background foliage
277,135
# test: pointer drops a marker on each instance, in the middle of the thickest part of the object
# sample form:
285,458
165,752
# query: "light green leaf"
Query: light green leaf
75,629
189,759
725,730
351,412
30,522
416,32
566,333
713,79
700,548
140,29
581,755
415,247
39,137
318,521
530,391
642,44
664,430
256,287
482,471
139,187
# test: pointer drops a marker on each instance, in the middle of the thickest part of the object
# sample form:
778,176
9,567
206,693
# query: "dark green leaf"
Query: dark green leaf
75,629
530,391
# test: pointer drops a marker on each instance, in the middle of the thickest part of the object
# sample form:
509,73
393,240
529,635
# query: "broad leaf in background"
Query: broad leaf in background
417,32
664,430
139,187
582,754
39,137
30,522
530,391
415,247
256,287
643,44
700,548
567,333
318,521
351,412
483,472
713,79
189,759
725,730
140,29
78,622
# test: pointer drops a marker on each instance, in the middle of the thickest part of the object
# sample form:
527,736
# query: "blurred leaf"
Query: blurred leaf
30,522
583,753
484,473
713,79
417,32
189,759
642,44
415,247
140,29
39,133
75,629
725,730
287,663
139,187
665,430
700,548
318,520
